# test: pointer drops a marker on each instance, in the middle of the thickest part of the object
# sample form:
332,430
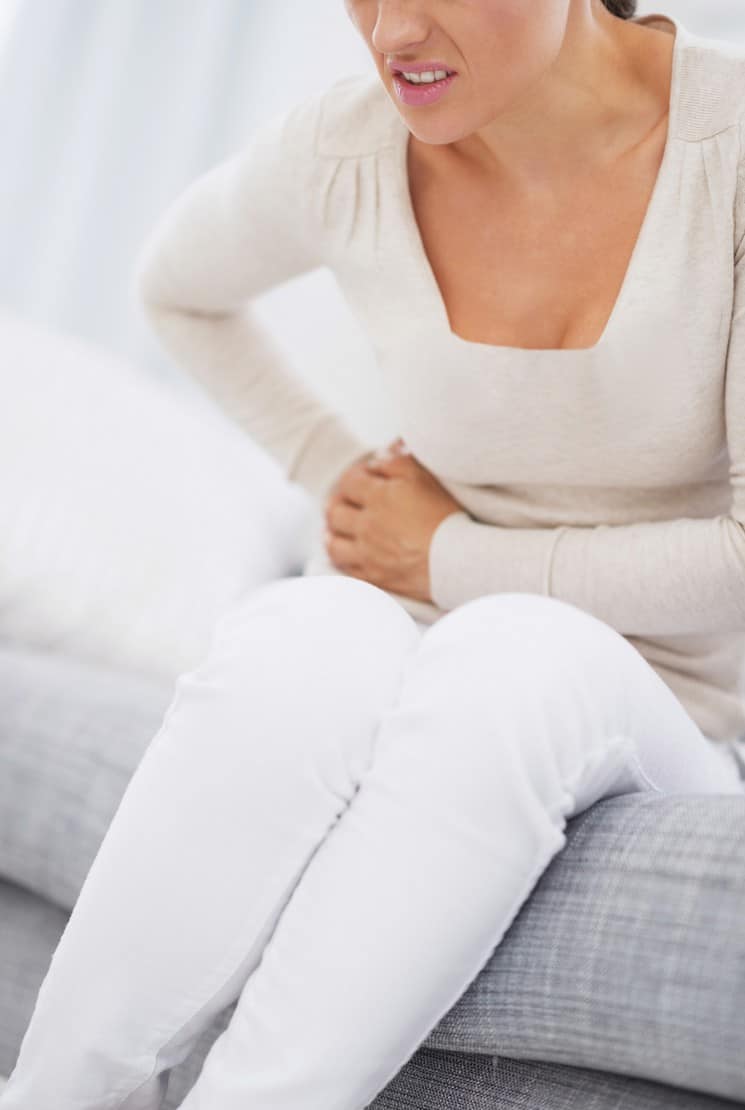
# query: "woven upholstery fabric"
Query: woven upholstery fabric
30,928
71,734
432,1080
462,1081
628,957
529,1086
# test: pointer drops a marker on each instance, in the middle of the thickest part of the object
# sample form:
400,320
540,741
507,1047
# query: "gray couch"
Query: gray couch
620,984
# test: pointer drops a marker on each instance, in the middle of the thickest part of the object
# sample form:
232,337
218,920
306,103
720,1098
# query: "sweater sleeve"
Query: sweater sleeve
676,577
244,226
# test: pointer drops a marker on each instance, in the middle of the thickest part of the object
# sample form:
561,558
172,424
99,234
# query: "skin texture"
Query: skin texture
551,95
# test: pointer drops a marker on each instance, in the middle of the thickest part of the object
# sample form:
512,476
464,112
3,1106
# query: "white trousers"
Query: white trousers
335,824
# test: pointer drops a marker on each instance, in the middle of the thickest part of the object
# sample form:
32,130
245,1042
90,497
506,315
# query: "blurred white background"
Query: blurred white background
109,107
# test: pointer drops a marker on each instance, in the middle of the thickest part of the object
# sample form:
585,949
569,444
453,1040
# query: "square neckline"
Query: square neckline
430,283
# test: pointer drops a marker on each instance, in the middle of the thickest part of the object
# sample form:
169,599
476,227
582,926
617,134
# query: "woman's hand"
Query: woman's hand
380,517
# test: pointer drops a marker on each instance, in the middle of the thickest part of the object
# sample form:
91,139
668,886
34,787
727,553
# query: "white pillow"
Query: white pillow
132,513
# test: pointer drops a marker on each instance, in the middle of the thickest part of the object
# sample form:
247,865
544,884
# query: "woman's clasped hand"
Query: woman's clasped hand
380,517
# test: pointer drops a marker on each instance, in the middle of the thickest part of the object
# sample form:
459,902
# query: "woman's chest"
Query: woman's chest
643,406
532,269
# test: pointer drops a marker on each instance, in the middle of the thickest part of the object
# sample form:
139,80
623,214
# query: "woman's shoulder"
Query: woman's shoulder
712,85
356,117
713,108
350,117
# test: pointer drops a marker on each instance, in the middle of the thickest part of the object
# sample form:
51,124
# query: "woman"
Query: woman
540,604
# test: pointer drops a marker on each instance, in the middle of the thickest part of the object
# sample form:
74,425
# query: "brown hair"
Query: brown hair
624,9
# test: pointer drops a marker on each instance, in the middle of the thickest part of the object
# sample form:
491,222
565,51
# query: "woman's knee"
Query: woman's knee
525,614
542,637
334,624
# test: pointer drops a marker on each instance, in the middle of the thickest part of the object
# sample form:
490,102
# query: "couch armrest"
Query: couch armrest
629,956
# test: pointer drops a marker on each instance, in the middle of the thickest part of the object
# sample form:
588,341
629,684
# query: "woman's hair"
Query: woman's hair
624,9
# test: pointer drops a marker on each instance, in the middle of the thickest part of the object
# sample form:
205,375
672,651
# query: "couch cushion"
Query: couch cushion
71,734
431,1080
629,954
30,929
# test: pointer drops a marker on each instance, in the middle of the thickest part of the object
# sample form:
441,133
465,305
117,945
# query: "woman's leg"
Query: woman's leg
514,712
260,751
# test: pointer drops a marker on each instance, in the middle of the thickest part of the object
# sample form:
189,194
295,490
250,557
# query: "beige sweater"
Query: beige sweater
612,477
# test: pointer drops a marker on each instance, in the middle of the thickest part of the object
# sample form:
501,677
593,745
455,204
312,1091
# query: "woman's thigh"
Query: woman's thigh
565,689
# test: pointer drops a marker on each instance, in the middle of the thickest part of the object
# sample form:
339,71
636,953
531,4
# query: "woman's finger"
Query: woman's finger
342,516
342,551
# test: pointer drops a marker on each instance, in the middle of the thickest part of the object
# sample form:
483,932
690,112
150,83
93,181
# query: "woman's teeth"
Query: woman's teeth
426,77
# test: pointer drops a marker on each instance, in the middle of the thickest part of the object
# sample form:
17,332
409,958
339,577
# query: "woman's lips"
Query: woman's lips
421,94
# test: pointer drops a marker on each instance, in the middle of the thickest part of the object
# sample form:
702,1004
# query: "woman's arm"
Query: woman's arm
683,576
243,227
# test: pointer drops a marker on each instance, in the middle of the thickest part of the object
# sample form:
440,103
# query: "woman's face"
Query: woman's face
498,48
